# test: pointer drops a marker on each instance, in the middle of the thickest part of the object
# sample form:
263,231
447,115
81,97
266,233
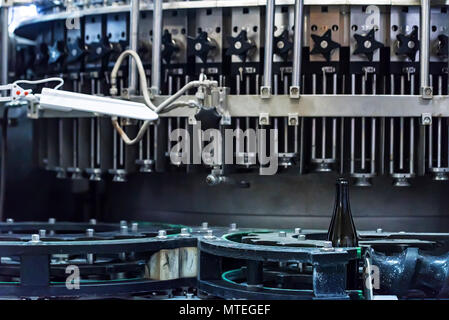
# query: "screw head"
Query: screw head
233,227
184,232
93,221
52,221
367,44
198,46
302,237
298,230
124,229
42,233
209,234
379,230
134,227
282,234
35,238
327,245
90,232
204,225
162,234
324,44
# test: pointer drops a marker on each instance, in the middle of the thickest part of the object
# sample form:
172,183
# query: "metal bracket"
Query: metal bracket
427,93
293,119
220,100
264,119
265,92
192,120
426,119
294,92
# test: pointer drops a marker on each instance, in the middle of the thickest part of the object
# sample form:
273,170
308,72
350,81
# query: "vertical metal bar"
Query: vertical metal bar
5,45
439,143
269,32
373,145
425,43
412,145
297,42
352,160
391,145
430,146
157,43
363,157
134,26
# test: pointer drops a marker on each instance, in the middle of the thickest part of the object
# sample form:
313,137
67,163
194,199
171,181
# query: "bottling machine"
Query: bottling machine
239,113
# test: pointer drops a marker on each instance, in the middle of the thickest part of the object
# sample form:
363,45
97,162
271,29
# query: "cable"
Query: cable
60,80
3,161
167,104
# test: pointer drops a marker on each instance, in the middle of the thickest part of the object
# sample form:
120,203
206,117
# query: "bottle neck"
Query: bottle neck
342,196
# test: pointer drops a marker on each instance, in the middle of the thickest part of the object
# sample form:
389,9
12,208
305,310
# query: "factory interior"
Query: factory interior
224,150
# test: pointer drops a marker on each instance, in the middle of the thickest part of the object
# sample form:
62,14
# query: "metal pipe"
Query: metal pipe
425,46
134,22
157,43
298,41
269,33
5,45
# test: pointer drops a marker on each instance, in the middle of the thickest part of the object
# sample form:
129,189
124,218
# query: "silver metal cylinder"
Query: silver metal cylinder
4,51
425,43
157,43
269,33
134,26
297,43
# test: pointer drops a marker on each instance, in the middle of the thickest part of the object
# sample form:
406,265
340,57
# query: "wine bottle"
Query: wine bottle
342,230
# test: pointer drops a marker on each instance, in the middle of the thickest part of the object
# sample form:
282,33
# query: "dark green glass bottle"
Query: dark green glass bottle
342,230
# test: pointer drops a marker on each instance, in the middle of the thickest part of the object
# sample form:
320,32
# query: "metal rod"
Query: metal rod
5,44
157,43
269,32
425,43
134,26
298,41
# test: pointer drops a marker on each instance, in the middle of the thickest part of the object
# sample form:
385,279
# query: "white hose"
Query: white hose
60,80
168,103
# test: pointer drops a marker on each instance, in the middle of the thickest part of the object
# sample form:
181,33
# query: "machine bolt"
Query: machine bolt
134,227
282,234
35,238
90,233
298,230
162,234
184,232
302,237
42,233
379,230
327,246
52,221
209,235
9,220
233,227
204,226
93,221
123,229
123,223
